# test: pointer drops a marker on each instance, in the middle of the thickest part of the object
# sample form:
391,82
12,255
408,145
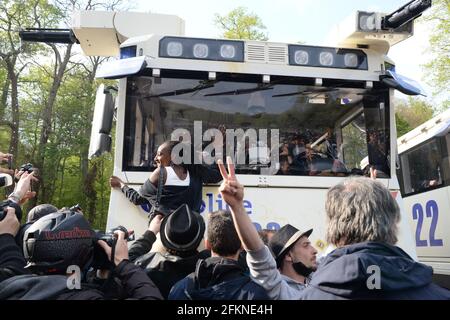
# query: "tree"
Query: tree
438,69
411,113
240,24
15,15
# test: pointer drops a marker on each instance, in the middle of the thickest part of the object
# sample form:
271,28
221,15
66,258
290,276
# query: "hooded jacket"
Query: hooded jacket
351,272
217,278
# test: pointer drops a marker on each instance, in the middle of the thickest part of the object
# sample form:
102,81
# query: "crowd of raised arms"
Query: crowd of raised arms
55,254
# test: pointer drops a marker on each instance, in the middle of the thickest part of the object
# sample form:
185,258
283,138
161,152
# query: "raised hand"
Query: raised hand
10,224
115,182
28,195
155,224
24,184
121,252
230,189
4,157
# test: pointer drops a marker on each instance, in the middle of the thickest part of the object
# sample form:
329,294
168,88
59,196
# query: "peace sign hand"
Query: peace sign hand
230,189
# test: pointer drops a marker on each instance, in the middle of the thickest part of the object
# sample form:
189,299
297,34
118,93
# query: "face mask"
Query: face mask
301,269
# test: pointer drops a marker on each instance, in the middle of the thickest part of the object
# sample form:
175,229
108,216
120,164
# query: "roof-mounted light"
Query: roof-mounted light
327,57
174,49
203,49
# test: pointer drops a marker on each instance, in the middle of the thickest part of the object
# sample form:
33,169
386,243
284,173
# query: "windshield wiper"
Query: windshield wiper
240,91
201,86
305,92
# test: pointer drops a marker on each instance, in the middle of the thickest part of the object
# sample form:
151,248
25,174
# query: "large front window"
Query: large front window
332,130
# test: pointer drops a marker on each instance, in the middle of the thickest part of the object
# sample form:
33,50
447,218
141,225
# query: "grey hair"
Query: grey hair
361,209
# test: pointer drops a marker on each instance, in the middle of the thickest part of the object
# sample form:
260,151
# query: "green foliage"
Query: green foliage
402,125
240,24
438,69
19,14
411,113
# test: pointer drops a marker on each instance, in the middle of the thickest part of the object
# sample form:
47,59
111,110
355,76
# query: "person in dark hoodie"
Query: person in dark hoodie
54,245
219,277
362,224
181,233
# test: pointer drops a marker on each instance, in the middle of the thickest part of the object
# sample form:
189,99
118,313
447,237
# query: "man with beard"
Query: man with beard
286,273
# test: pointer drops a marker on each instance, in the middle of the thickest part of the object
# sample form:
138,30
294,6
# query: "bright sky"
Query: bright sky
309,21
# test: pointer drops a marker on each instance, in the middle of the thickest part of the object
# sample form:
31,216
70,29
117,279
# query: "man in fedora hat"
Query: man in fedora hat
285,274
181,233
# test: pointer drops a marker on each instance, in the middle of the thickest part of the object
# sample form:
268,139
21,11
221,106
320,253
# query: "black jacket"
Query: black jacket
134,281
17,282
174,196
164,269
349,273
218,278
12,261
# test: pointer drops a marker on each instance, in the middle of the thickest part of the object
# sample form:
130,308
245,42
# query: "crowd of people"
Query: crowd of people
56,254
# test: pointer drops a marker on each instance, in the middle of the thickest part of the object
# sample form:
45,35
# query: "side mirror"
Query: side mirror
101,123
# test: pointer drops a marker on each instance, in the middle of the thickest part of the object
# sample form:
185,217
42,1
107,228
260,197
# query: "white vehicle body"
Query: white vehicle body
302,91
425,180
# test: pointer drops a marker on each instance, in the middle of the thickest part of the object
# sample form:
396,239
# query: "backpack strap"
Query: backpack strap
155,206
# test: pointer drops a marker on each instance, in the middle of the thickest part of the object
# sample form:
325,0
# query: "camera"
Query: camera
110,237
101,260
28,167
76,208
8,203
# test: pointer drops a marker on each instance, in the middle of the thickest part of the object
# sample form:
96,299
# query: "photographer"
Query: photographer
55,244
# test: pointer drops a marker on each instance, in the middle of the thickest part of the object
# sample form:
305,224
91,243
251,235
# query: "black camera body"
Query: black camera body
28,167
101,260
76,208
9,203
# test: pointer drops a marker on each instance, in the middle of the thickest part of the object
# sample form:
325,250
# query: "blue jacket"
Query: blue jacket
217,279
350,271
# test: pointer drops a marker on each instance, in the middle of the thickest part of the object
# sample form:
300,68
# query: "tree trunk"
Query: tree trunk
90,192
14,125
43,190
89,175
4,98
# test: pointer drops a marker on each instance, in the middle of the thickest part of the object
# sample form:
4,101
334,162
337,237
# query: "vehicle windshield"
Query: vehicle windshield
281,128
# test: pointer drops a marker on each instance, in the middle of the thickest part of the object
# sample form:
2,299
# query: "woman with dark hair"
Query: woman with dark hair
182,184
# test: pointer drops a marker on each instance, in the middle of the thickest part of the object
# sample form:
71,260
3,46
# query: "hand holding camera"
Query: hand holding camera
9,224
114,244
23,186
